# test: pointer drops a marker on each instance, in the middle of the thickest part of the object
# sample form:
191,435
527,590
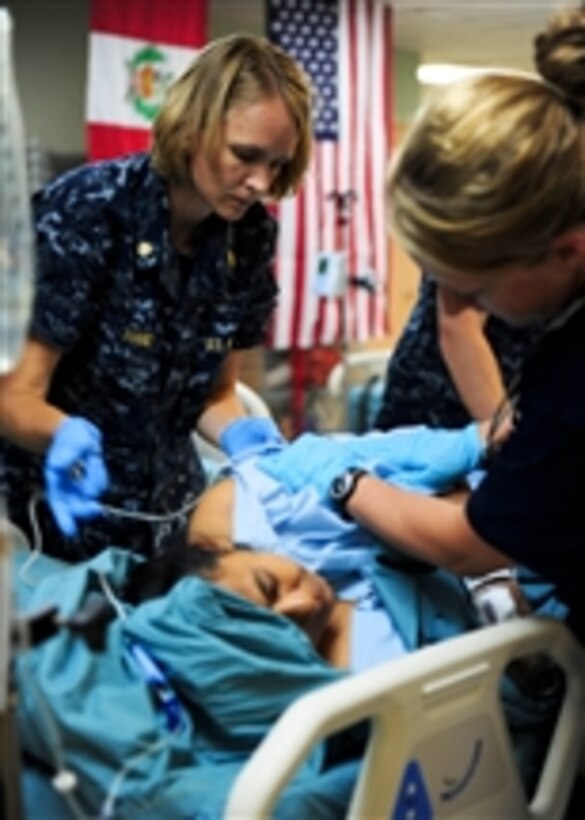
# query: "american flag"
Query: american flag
345,48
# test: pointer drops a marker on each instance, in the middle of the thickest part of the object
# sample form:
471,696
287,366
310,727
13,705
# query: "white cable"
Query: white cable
37,545
37,539
65,780
115,602
107,809
154,517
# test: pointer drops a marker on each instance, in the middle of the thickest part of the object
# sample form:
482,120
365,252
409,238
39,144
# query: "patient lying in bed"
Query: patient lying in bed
348,633
366,610
234,665
359,602
250,507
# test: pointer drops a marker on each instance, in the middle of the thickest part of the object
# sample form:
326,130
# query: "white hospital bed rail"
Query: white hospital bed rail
357,366
439,746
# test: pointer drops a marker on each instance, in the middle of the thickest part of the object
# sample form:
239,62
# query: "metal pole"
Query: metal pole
10,767
344,201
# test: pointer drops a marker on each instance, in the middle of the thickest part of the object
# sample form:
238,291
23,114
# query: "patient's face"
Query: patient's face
279,584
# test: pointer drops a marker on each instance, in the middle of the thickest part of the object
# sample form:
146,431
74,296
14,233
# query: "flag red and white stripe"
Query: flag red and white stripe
349,159
136,48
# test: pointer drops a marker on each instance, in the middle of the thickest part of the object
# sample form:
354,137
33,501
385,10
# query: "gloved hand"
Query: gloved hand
250,436
430,460
311,460
415,457
75,473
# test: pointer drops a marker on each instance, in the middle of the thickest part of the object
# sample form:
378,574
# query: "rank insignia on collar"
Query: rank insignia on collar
144,249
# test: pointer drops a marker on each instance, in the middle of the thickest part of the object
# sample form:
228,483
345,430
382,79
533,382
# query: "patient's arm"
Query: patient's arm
211,520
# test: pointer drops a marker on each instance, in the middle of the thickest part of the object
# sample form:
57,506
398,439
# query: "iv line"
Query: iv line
152,517
37,547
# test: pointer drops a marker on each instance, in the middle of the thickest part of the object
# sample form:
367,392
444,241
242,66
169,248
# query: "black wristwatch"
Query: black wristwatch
343,487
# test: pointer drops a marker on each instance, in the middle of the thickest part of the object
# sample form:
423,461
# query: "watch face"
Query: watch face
344,484
341,486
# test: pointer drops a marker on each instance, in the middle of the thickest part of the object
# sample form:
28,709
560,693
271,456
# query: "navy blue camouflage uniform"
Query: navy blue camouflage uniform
418,387
143,332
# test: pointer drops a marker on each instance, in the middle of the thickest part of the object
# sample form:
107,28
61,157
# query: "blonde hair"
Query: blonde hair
493,168
234,69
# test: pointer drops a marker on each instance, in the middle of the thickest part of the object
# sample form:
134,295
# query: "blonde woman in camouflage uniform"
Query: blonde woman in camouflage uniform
153,272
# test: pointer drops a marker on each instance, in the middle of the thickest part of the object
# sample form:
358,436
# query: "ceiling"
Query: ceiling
472,32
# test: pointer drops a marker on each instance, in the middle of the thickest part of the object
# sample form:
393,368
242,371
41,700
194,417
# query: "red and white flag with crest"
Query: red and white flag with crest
137,47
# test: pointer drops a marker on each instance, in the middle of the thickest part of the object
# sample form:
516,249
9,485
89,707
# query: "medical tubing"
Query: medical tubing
167,700
153,676
58,751
53,737
113,600
37,546
149,668
152,517
108,806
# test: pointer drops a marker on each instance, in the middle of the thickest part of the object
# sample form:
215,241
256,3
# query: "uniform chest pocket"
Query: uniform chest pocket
131,361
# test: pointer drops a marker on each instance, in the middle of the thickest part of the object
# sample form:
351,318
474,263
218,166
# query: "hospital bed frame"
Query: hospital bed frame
354,388
438,746
356,367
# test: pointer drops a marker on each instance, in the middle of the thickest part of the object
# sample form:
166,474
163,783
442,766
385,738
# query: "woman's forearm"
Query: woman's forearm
433,529
224,405
26,418
468,354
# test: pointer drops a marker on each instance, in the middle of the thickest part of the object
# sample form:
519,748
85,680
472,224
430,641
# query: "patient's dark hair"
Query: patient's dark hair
156,576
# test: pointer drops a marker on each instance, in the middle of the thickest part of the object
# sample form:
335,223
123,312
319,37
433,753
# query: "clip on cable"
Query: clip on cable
159,685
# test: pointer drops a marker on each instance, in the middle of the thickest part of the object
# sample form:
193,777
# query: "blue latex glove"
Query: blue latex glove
250,436
75,473
415,457
430,460
310,460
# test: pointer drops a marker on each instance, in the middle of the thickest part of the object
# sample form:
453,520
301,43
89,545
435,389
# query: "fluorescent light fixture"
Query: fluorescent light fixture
445,73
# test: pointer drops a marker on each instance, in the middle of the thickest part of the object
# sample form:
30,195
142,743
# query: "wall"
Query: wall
406,87
404,275
50,52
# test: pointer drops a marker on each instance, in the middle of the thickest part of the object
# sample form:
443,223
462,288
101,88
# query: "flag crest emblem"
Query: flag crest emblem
136,49
148,80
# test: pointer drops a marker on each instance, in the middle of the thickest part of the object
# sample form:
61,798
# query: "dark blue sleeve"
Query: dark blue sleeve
530,504
72,236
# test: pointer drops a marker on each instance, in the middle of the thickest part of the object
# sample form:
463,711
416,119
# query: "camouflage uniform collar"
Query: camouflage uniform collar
152,241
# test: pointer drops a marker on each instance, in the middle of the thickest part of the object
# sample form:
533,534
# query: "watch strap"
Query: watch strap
344,486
